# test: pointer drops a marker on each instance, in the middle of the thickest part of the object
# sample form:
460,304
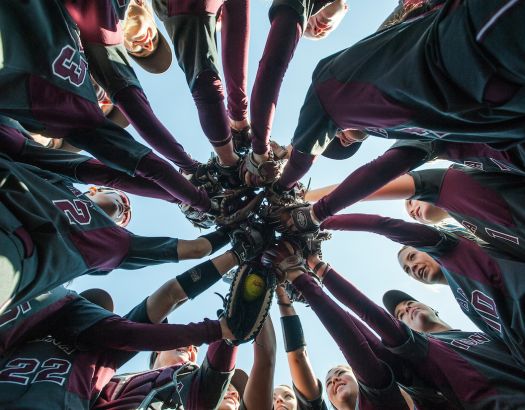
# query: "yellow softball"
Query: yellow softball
253,287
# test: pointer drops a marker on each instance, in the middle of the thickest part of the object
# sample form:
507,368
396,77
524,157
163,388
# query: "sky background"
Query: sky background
368,260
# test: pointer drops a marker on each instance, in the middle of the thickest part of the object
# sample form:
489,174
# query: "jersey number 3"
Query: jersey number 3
66,68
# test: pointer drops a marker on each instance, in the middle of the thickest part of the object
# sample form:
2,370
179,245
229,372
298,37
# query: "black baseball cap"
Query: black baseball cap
394,297
239,380
336,150
99,297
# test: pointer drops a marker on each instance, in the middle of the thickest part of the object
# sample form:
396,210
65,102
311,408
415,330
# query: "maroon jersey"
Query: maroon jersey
65,373
492,210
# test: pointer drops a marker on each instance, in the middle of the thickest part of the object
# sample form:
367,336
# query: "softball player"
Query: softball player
491,210
484,281
424,396
75,326
78,168
471,369
49,90
51,234
180,384
192,27
413,81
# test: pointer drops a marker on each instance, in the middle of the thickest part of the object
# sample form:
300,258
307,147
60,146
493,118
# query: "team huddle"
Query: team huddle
444,78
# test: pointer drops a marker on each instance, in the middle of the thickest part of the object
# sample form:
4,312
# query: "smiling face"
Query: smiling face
425,212
284,398
140,31
231,400
341,386
416,315
420,266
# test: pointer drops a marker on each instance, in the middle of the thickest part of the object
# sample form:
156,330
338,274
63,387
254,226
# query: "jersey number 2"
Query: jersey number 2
77,211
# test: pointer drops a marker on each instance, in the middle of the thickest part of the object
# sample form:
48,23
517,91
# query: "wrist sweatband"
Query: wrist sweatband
292,332
217,239
198,279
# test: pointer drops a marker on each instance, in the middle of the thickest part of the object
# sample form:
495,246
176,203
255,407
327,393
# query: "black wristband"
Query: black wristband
292,332
198,279
217,239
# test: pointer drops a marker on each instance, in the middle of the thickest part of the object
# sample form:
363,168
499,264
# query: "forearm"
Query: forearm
135,105
95,172
222,356
368,179
353,345
397,230
121,334
377,318
303,376
259,389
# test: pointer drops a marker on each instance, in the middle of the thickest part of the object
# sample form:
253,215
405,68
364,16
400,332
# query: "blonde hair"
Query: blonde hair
130,24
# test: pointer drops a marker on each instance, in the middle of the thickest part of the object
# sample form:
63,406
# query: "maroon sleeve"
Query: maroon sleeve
389,328
95,172
235,41
296,167
135,105
122,334
369,178
222,356
397,230
367,367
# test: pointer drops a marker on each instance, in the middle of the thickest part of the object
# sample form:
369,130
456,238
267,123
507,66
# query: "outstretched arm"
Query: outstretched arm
366,180
397,230
259,389
187,285
121,334
303,376
367,367
377,318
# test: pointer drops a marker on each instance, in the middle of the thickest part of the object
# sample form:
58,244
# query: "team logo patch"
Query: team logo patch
301,219
195,275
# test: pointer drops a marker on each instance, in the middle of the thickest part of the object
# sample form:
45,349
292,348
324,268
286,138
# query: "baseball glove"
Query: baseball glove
242,140
265,173
302,219
249,240
249,300
283,257
199,219
237,207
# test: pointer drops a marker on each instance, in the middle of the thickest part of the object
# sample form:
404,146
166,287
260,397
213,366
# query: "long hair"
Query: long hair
410,10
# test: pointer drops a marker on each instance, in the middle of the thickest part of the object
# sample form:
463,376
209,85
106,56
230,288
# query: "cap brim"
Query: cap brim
239,380
336,150
159,61
99,297
117,117
394,297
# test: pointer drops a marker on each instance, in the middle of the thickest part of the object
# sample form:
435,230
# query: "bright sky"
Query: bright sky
368,260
